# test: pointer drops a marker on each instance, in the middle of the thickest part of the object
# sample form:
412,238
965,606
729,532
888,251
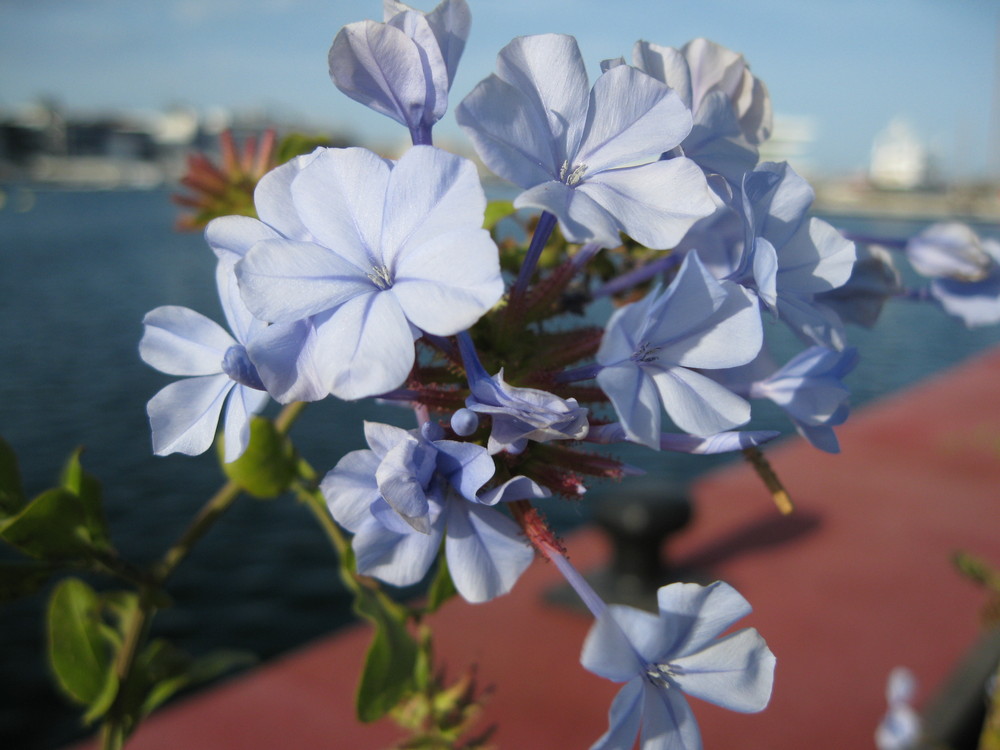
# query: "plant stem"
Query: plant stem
120,722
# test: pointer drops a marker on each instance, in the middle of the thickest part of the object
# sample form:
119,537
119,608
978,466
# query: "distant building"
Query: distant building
899,159
791,141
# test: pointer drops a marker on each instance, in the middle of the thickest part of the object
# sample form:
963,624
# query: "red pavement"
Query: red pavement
857,581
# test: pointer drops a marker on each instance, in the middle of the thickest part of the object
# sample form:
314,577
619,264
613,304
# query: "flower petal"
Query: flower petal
340,199
581,217
467,466
184,415
624,718
350,488
509,135
380,66
231,237
636,402
399,559
430,192
608,650
735,672
486,551
655,203
286,360
667,721
701,612
450,281
632,118
284,280
179,341
697,404
240,406
241,322
549,70
365,348
273,197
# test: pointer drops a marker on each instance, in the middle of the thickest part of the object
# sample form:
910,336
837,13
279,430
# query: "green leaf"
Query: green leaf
78,651
11,491
53,526
169,670
442,588
269,464
86,487
497,210
22,579
296,144
387,675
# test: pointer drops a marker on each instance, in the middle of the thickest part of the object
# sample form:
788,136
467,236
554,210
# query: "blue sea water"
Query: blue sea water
78,270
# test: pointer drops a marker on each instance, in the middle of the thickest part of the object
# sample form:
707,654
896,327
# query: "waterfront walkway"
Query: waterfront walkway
856,582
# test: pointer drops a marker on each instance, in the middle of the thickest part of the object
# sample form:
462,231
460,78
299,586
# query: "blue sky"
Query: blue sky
850,65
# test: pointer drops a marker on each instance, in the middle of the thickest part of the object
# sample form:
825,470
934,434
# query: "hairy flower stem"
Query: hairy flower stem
120,722
545,542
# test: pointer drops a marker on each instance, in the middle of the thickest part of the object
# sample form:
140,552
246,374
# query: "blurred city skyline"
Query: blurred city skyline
839,71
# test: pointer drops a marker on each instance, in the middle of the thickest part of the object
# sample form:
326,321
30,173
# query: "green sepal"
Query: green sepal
53,526
79,653
11,490
387,675
21,579
442,588
269,464
88,489
497,211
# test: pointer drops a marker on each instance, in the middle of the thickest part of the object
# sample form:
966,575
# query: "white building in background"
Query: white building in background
899,159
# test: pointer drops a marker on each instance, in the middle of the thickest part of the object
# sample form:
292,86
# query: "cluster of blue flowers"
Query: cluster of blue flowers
362,275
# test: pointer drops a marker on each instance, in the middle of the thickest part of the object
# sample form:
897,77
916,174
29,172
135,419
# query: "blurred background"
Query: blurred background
890,108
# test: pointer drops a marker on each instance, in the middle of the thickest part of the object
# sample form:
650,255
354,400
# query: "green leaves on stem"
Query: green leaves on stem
269,464
64,524
80,647
88,631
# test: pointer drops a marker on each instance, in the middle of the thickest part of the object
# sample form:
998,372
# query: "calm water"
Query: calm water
79,270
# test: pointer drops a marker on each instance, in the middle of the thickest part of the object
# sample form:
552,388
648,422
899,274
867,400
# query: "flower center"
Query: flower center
661,674
646,353
380,276
572,176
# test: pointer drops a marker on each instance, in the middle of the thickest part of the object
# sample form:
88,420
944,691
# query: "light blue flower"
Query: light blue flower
901,727
660,658
965,271
789,258
362,255
651,348
588,156
408,491
808,388
403,68
178,341
950,250
731,108
722,442
519,414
